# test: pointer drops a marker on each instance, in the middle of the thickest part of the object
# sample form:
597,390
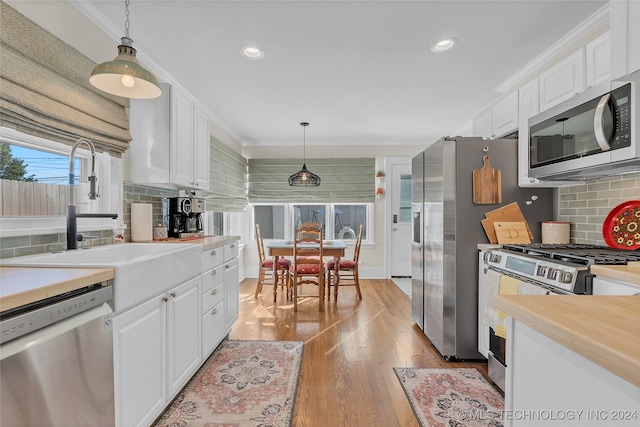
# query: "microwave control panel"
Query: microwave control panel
622,119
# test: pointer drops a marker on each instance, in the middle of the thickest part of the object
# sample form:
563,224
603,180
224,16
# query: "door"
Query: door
139,346
183,334
400,219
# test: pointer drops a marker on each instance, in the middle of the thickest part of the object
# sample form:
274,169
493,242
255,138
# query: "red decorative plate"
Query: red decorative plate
621,229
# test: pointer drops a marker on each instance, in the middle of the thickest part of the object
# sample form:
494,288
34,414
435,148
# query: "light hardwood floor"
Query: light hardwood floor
346,378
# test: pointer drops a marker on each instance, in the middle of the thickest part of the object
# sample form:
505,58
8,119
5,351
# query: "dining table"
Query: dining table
330,248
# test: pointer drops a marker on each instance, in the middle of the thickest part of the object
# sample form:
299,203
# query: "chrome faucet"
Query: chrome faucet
72,215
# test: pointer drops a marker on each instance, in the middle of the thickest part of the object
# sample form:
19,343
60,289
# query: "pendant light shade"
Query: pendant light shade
304,177
124,76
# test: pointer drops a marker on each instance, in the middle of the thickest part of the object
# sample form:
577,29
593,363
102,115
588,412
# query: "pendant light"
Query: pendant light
124,76
304,177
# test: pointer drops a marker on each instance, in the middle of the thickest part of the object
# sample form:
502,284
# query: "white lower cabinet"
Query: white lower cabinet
231,293
219,303
183,334
161,342
156,349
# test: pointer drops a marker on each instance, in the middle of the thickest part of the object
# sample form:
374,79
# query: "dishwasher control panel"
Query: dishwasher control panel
22,321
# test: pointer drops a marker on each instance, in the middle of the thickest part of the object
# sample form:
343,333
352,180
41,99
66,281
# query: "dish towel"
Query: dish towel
493,287
508,286
530,289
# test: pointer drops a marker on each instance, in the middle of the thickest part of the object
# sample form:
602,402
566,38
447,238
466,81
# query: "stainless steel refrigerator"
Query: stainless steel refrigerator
446,230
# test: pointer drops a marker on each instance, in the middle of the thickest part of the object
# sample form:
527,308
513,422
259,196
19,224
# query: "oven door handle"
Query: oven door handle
598,122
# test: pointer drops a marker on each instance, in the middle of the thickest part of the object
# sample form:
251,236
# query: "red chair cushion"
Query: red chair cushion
282,263
344,264
306,268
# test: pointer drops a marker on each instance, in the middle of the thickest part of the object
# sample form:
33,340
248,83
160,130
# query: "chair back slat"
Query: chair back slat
356,251
260,244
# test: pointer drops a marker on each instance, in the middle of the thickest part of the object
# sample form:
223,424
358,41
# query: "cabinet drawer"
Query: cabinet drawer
212,329
212,258
212,297
231,251
211,278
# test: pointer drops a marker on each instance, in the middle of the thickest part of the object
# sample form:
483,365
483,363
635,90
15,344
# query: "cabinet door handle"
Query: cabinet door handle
213,273
214,311
213,253
215,291
232,246
173,294
165,299
226,266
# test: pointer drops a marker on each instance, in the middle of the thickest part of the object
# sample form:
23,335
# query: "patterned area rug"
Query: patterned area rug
458,397
244,383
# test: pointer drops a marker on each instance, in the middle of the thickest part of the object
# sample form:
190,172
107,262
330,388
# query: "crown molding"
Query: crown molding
597,18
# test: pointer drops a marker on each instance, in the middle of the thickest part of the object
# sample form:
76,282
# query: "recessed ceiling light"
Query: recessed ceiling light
444,45
252,52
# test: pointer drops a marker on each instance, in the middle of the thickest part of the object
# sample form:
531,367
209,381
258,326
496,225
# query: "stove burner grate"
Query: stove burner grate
578,253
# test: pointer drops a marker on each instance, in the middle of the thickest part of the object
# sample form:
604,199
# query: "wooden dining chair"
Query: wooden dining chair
347,272
266,273
308,264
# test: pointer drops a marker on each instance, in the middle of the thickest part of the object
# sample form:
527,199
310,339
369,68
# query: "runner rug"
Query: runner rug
459,397
244,383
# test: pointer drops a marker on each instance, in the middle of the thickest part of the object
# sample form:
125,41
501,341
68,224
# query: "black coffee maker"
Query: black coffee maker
183,216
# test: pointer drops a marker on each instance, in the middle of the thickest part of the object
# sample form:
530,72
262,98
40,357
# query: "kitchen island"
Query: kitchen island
572,360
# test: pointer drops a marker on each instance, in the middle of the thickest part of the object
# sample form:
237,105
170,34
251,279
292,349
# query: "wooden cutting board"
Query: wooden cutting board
512,232
507,213
487,184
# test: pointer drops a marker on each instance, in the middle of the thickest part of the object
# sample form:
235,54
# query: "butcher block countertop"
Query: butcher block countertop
603,329
626,273
207,242
24,285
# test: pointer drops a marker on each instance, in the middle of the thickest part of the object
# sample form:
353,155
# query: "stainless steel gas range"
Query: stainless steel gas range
557,269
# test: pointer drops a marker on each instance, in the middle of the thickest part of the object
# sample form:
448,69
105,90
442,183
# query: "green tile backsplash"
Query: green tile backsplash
586,206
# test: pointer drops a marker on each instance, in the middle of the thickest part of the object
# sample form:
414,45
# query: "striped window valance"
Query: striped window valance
343,181
227,179
45,89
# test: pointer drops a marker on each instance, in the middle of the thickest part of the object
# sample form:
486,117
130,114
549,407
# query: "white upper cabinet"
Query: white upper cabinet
528,106
170,146
598,60
562,81
624,23
481,124
498,120
504,115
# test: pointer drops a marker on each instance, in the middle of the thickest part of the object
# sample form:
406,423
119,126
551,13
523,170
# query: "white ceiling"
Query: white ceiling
361,72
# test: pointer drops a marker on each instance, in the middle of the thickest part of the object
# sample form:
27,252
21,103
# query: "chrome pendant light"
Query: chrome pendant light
304,177
124,76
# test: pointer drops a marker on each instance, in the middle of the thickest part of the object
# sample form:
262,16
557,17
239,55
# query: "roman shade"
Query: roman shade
227,179
343,181
45,89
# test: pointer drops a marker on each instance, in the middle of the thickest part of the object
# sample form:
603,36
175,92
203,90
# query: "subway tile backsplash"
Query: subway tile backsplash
587,206
15,246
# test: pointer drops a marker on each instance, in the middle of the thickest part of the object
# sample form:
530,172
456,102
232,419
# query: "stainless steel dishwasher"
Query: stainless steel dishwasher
56,361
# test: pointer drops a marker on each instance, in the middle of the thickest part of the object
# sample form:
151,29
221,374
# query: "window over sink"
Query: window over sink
35,191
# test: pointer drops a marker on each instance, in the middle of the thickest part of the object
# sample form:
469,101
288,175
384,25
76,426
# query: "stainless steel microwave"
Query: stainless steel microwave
592,135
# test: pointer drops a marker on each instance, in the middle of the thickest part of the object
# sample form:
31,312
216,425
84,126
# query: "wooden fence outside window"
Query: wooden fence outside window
22,198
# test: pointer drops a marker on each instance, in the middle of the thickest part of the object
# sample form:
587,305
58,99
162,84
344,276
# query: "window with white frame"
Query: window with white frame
41,183
339,220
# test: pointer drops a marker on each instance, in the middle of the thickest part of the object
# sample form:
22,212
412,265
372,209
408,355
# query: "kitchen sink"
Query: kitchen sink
142,270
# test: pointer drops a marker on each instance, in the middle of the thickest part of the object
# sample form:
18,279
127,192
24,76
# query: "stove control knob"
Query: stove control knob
566,277
542,271
495,258
553,274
